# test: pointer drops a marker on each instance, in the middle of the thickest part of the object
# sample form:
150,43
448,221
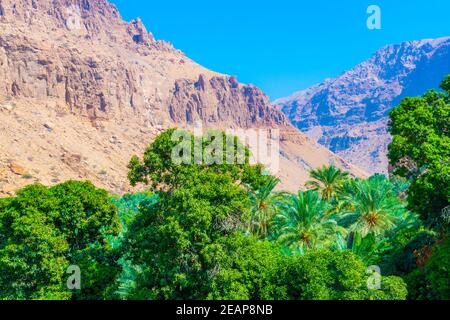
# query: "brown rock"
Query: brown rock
49,126
17,169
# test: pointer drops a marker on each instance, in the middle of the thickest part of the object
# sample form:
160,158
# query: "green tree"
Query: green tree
363,204
45,230
32,253
405,249
266,203
327,181
369,249
371,207
420,150
217,153
431,282
304,224
83,213
242,268
325,275
169,240
128,207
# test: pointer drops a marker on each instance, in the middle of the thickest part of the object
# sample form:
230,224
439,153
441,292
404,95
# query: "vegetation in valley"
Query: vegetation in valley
224,231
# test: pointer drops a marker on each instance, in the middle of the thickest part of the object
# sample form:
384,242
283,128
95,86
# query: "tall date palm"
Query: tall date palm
265,205
326,181
304,224
372,207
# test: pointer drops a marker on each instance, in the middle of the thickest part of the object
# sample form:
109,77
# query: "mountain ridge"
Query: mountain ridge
349,114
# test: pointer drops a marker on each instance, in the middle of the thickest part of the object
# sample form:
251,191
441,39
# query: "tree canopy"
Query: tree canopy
420,150
44,230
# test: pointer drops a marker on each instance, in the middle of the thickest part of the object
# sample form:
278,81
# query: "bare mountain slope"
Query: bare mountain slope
349,114
81,91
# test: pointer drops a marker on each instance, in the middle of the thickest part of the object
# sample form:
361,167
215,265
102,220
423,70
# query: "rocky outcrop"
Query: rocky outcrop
139,33
222,101
349,114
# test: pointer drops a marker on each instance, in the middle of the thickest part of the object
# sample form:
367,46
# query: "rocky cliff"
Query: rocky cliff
81,91
349,114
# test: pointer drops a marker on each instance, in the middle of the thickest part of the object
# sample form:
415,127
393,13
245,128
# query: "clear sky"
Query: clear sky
285,45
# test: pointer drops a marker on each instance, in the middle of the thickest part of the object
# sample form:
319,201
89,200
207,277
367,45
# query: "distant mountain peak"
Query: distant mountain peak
348,114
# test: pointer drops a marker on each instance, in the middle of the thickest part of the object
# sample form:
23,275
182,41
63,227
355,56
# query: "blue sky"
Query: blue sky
285,45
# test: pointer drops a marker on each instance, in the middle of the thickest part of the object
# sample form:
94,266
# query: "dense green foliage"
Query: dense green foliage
160,168
431,282
304,223
420,151
43,231
371,206
265,203
325,275
128,207
205,237
171,239
258,270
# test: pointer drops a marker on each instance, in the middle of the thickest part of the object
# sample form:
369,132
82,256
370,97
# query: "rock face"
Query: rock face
210,100
81,91
349,114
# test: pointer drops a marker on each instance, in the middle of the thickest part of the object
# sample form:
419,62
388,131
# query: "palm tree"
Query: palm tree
368,249
372,207
265,204
326,181
303,224
343,202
